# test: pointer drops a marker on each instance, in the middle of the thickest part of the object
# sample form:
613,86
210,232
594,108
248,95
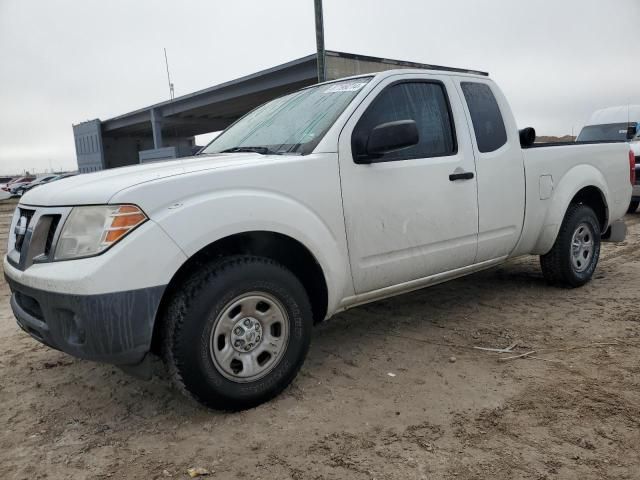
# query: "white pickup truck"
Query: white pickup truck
339,194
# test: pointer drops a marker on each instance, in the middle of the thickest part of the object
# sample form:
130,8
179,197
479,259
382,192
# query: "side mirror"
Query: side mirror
631,132
527,137
389,137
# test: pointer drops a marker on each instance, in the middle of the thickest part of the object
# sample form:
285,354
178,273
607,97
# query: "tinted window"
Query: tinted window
426,104
607,132
485,115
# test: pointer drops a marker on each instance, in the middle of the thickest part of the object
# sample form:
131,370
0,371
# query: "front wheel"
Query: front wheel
575,253
237,333
633,206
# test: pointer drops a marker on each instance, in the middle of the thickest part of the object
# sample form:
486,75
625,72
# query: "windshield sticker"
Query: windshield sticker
344,87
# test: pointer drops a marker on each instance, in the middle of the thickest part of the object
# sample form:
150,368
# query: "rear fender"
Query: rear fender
570,184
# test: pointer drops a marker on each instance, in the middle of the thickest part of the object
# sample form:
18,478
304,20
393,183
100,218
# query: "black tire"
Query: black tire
193,313
633,206
558,266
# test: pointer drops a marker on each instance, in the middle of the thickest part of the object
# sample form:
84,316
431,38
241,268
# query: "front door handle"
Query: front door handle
461,176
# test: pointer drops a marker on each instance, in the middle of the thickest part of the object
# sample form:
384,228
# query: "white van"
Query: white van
617,124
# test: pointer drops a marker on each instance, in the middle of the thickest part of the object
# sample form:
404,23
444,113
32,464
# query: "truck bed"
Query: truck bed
553,180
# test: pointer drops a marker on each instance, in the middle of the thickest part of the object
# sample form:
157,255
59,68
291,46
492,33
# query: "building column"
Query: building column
156,127
320,52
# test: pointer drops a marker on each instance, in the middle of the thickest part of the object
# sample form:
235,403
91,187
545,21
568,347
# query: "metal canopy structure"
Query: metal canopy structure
214,108
167,129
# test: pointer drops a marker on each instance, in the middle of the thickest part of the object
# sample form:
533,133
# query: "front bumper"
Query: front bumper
100,308
113,328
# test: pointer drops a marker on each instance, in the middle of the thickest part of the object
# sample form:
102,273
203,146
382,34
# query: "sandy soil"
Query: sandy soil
573,412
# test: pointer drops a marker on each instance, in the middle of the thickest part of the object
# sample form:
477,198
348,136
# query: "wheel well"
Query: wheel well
592,197
281,248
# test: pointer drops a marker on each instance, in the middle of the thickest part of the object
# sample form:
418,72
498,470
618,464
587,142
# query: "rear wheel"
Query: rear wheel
633,206
575,253
237,333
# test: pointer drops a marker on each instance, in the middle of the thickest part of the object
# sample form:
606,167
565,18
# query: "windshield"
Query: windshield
293,124
605,132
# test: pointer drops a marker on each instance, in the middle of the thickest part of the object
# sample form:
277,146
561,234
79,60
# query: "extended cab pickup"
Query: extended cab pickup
330,197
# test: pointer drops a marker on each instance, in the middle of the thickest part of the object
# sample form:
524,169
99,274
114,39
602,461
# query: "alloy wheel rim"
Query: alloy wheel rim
249,337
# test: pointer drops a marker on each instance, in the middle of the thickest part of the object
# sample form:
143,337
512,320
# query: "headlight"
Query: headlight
91,230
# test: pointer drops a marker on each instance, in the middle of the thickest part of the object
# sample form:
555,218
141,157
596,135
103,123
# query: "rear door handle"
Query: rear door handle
461,176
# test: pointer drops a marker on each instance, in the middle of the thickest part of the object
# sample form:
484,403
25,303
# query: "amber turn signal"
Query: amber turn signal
125,219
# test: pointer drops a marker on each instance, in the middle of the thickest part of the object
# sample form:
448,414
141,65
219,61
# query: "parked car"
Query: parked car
23,187
41,181
618,124
4,181
337,195
66,175
18,181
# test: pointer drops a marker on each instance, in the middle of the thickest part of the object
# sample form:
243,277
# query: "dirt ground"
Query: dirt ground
391,390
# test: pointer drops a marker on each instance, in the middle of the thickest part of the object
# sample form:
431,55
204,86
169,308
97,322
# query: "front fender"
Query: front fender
201,220
570,184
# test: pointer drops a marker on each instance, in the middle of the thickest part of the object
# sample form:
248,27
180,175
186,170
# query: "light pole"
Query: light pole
320,40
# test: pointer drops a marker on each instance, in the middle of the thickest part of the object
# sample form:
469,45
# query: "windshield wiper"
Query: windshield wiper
260,150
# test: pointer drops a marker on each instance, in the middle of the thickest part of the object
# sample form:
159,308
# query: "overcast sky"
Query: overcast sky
66,61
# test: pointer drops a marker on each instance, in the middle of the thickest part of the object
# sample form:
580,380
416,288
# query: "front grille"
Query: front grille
39,241
55,220
28,215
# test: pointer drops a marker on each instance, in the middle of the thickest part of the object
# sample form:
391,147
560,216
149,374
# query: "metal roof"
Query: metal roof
214,108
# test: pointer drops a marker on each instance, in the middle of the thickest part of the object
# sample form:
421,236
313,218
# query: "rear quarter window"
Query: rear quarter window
486,117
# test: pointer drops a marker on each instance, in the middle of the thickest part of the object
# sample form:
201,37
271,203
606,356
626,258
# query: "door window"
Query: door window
424,102
485,115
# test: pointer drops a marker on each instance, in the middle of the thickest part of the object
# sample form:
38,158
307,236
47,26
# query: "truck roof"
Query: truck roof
398,71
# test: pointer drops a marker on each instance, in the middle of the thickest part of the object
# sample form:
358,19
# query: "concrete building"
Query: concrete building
167,129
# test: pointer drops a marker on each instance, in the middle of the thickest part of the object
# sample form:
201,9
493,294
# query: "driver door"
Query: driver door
411,213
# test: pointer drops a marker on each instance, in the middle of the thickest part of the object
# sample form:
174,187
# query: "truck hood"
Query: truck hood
99,187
